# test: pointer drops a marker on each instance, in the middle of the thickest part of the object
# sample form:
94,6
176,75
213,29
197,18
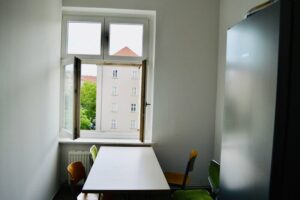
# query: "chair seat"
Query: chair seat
175,178
88,196
192,195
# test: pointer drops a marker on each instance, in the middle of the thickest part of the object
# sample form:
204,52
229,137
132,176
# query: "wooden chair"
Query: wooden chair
201,194
77,173
179,179
93,154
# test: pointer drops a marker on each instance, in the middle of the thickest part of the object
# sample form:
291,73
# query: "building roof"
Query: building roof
92,79
125,51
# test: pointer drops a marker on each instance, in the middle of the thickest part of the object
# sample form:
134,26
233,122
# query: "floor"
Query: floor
66,194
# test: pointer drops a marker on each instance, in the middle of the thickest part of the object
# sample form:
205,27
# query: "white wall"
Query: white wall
185,78
231,12
29,100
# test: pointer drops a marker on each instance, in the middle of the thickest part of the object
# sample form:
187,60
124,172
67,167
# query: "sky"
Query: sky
84,38
88,70
126,35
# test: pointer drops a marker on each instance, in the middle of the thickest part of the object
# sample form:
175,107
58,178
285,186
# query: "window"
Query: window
95,97
82,35
127,38
105,38
134,75
113,124
131,41
114,91
114,107
115,73
133,124
133,107
84,38
133,91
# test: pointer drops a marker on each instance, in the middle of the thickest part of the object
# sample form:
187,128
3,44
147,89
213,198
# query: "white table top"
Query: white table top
125,169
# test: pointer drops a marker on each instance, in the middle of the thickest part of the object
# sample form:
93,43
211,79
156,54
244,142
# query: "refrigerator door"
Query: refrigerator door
249,110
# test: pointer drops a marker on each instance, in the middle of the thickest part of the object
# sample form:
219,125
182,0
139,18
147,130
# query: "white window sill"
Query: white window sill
104,141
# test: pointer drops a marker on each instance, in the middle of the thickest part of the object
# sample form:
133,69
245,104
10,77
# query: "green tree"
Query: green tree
88,102
85,123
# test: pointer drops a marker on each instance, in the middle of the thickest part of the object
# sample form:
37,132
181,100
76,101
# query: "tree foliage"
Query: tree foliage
88,105
85,123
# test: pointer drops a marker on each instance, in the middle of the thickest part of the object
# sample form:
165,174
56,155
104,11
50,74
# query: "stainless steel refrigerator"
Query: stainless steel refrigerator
258,76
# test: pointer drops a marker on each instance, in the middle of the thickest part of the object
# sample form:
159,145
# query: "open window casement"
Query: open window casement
71,97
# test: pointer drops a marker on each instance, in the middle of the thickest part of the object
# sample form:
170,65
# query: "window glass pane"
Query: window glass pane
126,40
88,96
84,38
68,97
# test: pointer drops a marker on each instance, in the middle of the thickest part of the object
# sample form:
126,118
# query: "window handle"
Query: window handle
147,104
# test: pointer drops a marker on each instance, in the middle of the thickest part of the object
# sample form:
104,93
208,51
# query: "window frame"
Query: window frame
65,130
75,132
138,134
128,21
64,44
148,53
105,24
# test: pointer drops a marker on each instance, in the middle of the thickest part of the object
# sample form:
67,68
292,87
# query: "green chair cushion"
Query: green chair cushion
192,195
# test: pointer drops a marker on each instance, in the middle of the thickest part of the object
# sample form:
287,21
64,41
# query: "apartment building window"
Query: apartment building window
114,91
114,107
134,75
133,91
115,73
104,48
133,107
133,124
113,124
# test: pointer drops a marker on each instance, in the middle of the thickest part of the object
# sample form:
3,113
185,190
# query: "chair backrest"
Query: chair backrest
93,154
190,166
214,176
192,158
77,172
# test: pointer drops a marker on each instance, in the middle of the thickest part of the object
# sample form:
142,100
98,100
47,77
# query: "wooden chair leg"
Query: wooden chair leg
100,196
